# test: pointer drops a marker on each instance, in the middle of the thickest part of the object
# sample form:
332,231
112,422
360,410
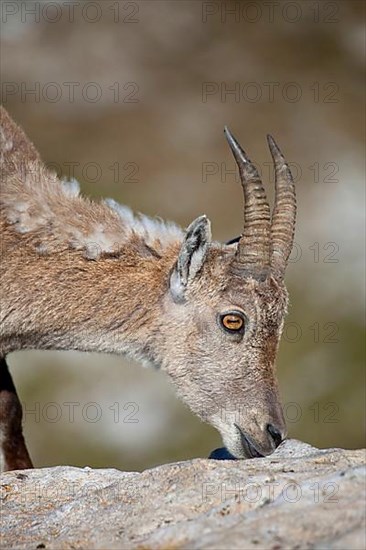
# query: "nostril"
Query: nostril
275,434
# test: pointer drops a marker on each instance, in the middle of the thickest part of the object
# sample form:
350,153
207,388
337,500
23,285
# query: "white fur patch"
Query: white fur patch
71,187
36,202
5,142
152,230
96,242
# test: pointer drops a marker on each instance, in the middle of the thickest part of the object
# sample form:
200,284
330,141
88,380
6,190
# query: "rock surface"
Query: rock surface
299,497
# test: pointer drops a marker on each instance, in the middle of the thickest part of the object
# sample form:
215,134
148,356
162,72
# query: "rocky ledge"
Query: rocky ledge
299,497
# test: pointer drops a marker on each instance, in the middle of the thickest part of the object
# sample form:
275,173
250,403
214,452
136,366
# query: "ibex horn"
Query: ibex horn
253,253
284,212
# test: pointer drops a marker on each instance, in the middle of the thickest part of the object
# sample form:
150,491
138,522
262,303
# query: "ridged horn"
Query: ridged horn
284,212
252,257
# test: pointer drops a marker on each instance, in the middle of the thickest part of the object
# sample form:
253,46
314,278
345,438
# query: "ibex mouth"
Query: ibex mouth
248,445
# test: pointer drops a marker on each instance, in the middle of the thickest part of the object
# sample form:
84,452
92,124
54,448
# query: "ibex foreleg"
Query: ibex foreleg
13,451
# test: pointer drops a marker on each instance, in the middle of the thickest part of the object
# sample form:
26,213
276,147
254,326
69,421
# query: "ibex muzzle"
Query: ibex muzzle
89,276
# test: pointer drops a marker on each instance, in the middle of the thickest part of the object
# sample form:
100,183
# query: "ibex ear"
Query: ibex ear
191,256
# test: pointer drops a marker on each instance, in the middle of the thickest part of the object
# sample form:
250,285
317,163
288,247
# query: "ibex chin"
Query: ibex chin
92,276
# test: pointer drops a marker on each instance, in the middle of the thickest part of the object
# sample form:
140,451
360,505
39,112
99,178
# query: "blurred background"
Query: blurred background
130,98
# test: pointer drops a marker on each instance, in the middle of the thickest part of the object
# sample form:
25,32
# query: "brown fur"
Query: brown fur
132,297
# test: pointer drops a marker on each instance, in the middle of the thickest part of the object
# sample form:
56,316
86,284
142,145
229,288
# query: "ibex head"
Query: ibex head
225,312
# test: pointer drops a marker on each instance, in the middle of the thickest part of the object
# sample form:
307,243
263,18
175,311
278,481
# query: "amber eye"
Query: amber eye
233,322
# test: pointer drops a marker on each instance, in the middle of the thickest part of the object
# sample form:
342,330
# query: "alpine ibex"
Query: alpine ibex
92,276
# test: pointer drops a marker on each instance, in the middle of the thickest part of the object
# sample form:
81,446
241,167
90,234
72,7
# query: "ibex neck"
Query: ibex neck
64,301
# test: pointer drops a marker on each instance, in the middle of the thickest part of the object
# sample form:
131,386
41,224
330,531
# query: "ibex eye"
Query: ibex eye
233,322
